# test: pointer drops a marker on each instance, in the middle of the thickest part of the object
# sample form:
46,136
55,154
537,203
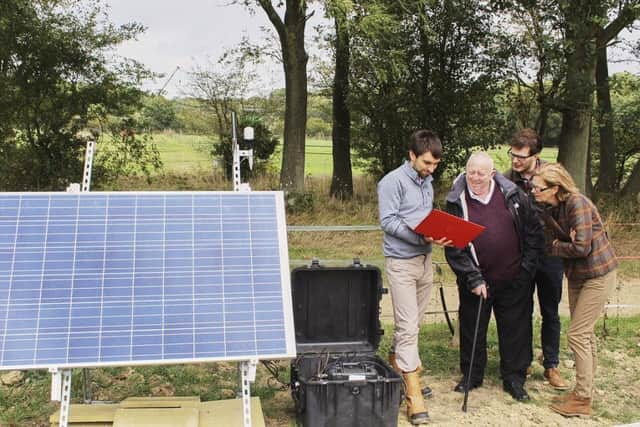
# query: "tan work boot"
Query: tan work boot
573,406
416,409
427,392
555,380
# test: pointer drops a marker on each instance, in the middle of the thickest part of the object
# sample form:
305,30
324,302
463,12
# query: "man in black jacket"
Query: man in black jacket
499,266
524,150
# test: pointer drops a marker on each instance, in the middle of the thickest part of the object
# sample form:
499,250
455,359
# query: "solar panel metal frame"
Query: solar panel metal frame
285,286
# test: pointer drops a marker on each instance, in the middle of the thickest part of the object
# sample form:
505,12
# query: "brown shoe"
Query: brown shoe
561,398
555,380
573,406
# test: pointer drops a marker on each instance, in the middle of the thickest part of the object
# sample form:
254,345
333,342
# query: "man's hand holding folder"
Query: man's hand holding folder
442,242
442,228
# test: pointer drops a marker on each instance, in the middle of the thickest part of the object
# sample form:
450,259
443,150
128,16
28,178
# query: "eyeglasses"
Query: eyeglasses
539,189
518,156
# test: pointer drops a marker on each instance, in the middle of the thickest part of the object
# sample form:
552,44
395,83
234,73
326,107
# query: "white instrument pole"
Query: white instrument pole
239,154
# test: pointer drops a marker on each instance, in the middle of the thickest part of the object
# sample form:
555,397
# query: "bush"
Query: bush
263,145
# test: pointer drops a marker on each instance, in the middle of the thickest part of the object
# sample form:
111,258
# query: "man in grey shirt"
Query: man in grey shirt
405,197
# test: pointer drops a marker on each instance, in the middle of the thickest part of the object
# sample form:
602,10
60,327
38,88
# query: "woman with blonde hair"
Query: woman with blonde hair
590,266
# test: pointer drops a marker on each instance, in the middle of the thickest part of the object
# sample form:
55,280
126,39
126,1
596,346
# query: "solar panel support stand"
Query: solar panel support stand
248,370
75,188
88,162
86,185
61,392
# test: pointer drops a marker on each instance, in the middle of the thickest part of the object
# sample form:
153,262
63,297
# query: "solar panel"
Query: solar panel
99,279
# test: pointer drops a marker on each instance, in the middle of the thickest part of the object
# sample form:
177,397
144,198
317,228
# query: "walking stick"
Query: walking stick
473,353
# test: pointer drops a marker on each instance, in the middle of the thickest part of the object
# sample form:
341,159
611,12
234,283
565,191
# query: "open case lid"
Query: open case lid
336,309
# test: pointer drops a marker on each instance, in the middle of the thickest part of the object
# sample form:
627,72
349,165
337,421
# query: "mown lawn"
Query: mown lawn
180,153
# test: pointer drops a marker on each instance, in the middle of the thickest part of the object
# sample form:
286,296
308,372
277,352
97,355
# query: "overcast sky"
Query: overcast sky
188,32
185,33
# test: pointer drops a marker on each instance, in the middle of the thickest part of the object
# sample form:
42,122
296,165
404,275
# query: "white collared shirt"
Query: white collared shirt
484,200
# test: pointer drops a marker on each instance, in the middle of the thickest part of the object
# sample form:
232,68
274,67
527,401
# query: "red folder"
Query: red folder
439,224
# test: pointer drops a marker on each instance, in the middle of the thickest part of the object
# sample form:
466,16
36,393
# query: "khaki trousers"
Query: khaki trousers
586,303
410,281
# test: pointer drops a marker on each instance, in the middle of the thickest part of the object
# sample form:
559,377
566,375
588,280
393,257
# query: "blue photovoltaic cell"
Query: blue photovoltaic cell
96,279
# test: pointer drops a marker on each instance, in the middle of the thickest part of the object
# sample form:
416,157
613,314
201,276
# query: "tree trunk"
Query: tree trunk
632,186
607,174
294,60
341,180
574,143
542,120
576,114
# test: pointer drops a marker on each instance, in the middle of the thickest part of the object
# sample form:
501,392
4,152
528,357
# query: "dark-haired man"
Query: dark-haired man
525,148
405,197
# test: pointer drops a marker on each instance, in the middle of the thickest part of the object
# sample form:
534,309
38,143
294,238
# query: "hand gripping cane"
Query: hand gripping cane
473,353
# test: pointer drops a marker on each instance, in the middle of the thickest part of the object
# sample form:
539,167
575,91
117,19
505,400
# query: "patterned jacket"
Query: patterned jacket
590,254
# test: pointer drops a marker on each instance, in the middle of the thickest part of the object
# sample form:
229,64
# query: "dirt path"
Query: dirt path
490,406
616,392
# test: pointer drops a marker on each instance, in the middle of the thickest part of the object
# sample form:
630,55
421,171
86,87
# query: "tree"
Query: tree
537,67
625,115
159,113
294,60
222,86
424,64
607,177
583,24
57,75
125,150
341,179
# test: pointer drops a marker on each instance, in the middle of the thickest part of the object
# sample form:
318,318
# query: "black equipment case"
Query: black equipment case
337,380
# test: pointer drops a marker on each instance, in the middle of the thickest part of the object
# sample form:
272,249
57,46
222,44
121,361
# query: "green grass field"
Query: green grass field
318,160
183,153
180,153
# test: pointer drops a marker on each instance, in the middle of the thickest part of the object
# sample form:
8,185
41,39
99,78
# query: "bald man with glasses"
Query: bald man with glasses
524,151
